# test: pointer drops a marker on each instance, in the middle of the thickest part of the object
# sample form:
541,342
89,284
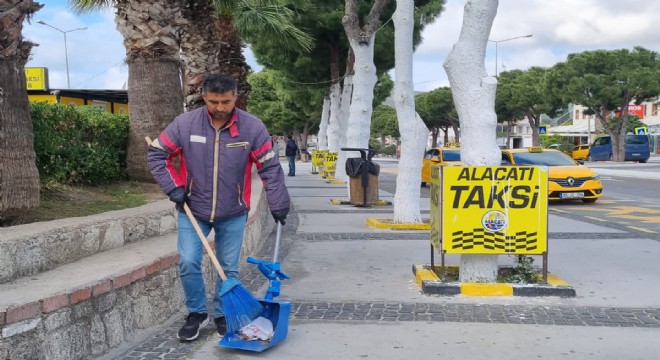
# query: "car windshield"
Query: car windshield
636,139
547,158
451,155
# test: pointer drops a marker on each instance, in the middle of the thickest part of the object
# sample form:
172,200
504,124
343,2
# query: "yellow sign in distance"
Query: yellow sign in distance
317,158
494,209
329,163
642,130
36,78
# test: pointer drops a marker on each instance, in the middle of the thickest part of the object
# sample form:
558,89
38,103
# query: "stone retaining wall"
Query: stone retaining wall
33,248
87,322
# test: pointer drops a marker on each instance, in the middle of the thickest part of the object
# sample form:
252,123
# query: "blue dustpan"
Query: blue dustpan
275,311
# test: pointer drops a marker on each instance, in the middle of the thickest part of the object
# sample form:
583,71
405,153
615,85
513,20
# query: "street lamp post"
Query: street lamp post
499,41
66,55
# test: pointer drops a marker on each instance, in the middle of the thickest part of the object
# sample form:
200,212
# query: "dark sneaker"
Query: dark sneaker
221,325
194,321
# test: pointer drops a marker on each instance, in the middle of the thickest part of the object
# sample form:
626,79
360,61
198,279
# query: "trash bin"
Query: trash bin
363,178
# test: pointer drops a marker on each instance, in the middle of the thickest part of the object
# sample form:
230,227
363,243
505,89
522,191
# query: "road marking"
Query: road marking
595,218
642,229
560,211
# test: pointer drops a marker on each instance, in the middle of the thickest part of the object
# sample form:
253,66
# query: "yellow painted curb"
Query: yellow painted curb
430,283
423,275
386,223
556,281
486,289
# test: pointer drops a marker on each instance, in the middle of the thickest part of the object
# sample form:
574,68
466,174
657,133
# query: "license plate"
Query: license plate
572,195
636,154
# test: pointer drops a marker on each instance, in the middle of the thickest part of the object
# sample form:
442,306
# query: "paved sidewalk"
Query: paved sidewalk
354,296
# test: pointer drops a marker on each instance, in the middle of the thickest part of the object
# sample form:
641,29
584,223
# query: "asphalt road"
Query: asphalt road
628,204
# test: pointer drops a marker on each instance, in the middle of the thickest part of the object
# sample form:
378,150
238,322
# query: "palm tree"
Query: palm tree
213,41
19,177
150,29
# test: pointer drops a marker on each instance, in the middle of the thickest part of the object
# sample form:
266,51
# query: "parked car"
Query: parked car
567,179
637,148
443,156
580,152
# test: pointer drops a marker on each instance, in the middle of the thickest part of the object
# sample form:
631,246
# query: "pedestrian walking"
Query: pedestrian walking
276,147
217,145
291,154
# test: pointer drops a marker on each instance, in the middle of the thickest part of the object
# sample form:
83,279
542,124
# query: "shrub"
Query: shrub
76,145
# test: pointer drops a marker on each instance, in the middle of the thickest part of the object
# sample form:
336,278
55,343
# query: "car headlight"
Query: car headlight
596,177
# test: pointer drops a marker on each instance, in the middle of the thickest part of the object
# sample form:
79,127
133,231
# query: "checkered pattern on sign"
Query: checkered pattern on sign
492,242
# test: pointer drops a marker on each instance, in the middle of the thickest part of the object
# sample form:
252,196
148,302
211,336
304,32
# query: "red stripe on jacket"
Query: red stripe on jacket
179,177
247,181
265,147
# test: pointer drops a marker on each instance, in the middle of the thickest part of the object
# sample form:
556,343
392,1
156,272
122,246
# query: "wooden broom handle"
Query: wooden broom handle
201,235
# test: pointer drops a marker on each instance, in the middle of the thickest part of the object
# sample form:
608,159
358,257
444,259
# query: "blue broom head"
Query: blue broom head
240,308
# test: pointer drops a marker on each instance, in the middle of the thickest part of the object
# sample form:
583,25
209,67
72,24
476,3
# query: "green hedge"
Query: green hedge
79,145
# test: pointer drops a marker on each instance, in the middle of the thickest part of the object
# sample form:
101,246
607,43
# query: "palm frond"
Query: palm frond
89,6
274,22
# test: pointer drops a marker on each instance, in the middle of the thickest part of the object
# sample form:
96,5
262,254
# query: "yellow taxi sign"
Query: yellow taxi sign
535,149
494,209
36,78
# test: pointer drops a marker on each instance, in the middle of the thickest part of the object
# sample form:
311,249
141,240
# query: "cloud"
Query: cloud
559,28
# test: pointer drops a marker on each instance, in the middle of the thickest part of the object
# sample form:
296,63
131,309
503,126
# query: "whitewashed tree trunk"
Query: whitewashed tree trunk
323,128
333,126
474,95
364,81
411,127
344,112
361,39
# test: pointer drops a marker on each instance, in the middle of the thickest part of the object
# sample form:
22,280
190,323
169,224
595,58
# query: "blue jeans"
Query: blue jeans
228,242
292,165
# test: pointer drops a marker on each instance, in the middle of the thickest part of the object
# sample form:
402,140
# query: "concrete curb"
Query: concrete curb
386,223
430,284
348,202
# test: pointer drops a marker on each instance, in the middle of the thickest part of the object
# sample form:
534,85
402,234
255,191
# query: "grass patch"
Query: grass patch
64,201
523,272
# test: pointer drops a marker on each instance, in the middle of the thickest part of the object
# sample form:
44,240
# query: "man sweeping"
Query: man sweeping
217,145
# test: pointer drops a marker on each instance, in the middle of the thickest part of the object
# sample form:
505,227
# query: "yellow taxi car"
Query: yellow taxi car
580,152
567,179
442,156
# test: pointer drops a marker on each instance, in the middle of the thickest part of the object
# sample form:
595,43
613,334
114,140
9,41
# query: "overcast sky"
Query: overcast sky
559,28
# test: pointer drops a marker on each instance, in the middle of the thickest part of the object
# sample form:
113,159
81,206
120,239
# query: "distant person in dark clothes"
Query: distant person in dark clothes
291,153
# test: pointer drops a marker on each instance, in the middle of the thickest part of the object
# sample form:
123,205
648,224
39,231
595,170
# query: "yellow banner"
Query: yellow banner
494,209
36,78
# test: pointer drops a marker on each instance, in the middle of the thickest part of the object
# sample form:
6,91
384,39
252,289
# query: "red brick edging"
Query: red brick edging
18,313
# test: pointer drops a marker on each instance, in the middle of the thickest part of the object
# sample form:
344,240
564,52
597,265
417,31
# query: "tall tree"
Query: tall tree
215,35
384,123
150,30
411,126
19,177
361,35
474,95
606,82
437,109
521,94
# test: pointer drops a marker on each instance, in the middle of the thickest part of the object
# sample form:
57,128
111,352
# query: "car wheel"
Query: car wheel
643,161
423,183
589,201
